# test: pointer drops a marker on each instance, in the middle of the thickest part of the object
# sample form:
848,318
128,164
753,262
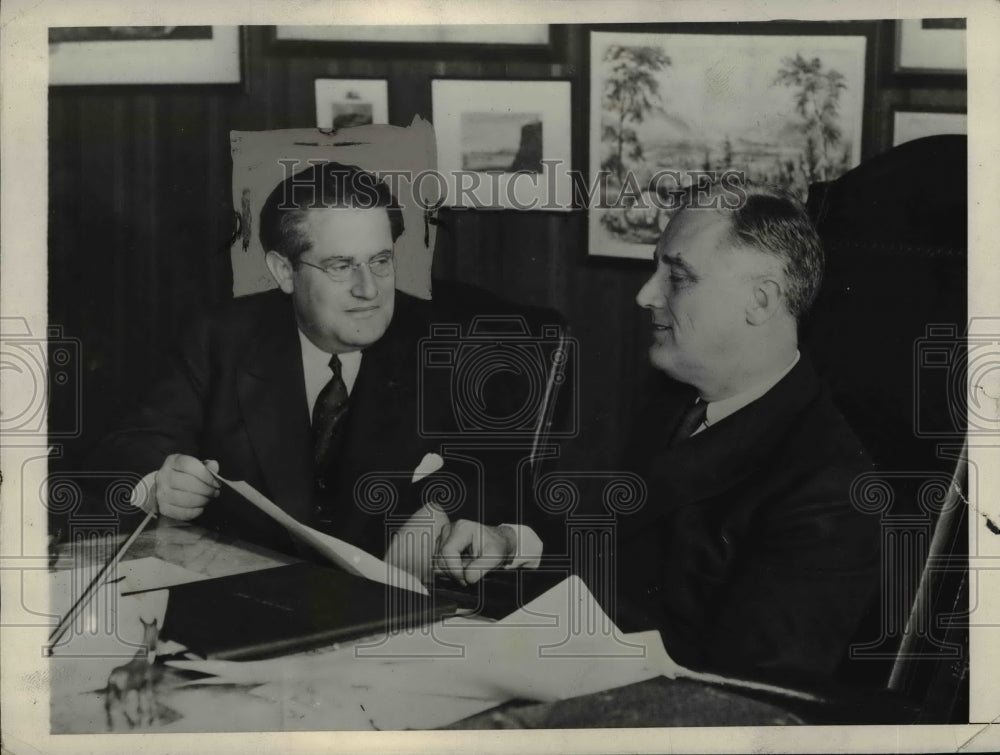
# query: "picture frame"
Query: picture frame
523,42
934,46
504,143
131,55
343,103
917,122
707,111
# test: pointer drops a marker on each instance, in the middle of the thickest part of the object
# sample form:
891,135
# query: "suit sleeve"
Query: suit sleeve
800,593
171,417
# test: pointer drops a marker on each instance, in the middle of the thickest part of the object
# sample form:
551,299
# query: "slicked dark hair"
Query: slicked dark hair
321,186
773,221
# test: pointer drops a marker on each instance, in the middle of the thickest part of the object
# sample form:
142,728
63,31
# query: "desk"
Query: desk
184,707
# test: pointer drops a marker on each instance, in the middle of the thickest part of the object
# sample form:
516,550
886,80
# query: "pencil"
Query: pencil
91,588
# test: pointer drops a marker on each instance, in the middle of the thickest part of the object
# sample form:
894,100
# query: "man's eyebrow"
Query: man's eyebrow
677,262
345,258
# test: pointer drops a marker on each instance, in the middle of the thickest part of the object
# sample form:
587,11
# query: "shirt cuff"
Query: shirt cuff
528,553
144,494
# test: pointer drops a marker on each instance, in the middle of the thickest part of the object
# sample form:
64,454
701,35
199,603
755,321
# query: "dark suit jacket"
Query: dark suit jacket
749,555
235,392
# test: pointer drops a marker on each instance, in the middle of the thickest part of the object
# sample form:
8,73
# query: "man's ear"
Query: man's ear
766,299
281,270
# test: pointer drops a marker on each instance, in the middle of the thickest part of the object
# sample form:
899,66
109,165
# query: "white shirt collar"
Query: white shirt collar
719,410
317,372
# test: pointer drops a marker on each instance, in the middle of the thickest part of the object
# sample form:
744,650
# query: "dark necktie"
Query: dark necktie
691,421
328,413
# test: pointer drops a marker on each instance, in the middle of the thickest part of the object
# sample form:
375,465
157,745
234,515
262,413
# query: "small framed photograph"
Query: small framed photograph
930,46
455,41
504,144
908,125
342,103
94,55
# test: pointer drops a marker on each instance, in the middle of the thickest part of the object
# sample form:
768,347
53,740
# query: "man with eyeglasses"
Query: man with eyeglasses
305,392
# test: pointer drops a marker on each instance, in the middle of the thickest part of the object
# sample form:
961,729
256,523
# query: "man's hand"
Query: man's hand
413,546
468,550
184,486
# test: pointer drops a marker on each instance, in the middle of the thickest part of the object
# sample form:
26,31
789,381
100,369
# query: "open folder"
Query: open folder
348,557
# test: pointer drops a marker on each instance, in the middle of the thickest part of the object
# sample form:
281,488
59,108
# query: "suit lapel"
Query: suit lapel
381,434
271,389
384,399
721,456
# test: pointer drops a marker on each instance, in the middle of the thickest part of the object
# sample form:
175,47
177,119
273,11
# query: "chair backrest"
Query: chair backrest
892,313
511,365
888,334
509,372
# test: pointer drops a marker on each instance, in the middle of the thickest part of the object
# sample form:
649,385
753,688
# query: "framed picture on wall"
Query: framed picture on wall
930,46
917,123
342,103
82,55
671,109
504,144
474,41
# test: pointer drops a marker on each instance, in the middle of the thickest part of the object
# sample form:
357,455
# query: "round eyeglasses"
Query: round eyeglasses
342,270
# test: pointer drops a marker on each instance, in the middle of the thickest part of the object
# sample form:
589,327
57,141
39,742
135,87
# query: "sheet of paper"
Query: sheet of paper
133,576
348,557
153,573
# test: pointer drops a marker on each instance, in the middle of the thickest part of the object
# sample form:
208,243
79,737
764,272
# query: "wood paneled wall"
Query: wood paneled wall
140,216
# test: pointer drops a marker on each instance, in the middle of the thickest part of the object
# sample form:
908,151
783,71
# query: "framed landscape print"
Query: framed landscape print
504,144
342,103
144,55
668,108
930,46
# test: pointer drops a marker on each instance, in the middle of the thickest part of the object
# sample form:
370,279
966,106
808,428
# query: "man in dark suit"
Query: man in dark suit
749,555
309,393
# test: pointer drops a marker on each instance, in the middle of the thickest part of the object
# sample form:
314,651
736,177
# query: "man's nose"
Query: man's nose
650,296
364,285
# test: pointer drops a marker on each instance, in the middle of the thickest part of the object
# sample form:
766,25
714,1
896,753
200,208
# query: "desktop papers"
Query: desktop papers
558,646
348,557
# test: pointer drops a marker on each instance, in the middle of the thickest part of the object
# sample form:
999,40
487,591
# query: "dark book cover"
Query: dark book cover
290,608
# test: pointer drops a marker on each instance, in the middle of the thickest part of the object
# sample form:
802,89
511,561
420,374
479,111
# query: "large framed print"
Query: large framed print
470,41
94,55
504,144
667,109
917,123
930,46
343,103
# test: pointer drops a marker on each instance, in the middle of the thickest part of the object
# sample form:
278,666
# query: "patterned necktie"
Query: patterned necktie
329,411
691,421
